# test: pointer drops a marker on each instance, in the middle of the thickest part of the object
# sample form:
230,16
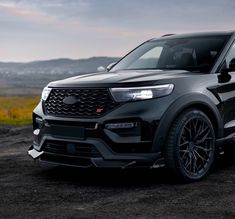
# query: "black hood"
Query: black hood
121,78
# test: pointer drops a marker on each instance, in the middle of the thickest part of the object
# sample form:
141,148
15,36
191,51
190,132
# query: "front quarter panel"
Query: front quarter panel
180,104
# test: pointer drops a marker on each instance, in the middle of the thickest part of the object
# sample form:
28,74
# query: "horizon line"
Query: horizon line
52,59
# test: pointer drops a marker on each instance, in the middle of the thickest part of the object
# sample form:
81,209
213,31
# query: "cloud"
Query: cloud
101,27
15,12
130,14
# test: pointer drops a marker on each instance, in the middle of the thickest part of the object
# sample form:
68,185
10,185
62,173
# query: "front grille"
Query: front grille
92,102
81,150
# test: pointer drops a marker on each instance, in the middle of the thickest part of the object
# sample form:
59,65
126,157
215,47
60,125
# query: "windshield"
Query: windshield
196,54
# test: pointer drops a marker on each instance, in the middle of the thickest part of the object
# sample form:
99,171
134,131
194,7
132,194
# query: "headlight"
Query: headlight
141,93
45,93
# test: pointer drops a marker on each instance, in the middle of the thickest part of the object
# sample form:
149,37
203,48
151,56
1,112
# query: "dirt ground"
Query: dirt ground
28,190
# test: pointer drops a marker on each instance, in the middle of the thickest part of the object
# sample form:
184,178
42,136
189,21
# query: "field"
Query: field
17,110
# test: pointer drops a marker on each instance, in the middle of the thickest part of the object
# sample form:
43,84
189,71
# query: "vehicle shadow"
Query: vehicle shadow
127,177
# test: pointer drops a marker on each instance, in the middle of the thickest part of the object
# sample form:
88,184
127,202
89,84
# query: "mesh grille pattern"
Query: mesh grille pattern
90,102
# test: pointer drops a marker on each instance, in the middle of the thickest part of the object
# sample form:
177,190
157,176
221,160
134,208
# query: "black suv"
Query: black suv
171,101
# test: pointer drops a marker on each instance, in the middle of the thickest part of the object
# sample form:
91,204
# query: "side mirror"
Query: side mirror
232,65
228,68
224,77
110,66
101,69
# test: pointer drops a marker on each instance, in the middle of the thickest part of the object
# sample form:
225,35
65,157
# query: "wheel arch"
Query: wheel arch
209,113
198,101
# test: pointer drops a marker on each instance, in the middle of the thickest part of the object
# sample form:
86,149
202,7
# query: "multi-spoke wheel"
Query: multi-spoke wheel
190,148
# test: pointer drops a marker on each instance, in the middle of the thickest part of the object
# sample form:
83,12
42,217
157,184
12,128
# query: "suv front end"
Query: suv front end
168,102
102,127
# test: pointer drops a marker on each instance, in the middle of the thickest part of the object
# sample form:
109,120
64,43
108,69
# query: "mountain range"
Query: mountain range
29,78
56,66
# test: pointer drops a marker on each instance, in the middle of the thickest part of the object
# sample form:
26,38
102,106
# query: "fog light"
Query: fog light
36,132
124,125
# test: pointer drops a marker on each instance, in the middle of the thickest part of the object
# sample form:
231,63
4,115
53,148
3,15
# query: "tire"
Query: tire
190,148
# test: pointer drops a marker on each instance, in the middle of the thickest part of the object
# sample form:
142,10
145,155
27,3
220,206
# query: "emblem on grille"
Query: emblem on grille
70,100
99,110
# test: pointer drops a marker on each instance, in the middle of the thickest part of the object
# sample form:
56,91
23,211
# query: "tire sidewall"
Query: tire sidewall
182,120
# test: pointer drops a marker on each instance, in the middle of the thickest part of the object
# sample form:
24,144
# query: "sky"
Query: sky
48,29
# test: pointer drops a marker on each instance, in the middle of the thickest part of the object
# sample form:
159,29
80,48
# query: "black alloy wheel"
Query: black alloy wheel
190,149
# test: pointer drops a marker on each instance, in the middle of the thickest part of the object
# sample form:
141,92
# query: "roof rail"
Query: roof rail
169,34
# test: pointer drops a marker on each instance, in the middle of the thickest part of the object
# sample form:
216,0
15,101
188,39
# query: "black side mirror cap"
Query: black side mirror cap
230,68
232,65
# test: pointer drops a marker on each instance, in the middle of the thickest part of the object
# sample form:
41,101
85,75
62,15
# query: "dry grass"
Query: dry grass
17,110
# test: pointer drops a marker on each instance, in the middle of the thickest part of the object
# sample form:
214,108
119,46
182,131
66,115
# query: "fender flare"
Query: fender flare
176,108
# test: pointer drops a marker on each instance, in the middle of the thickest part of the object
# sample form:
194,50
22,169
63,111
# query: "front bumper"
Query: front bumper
105,158
64,143
95,144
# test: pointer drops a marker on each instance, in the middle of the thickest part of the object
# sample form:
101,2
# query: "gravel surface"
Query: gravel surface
28,190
